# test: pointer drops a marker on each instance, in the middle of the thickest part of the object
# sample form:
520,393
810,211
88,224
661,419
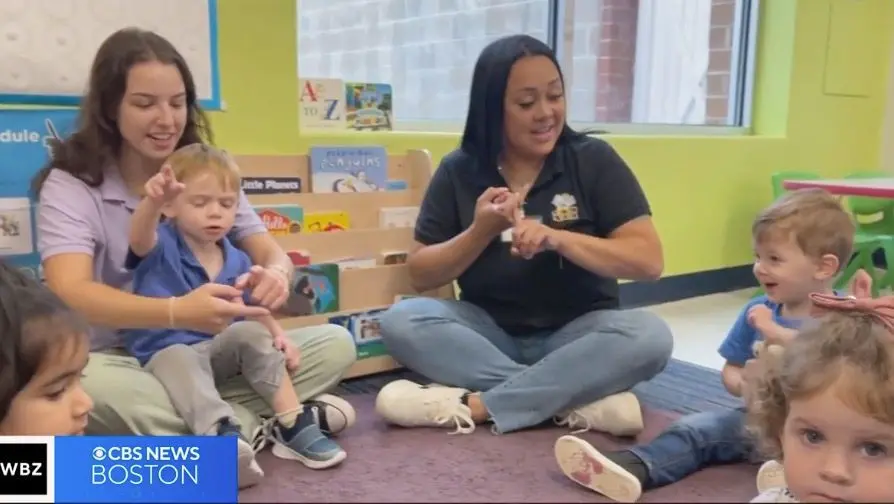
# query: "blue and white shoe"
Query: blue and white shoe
306,443
250,473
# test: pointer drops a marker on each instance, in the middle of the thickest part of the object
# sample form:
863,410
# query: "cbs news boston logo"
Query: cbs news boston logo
133,469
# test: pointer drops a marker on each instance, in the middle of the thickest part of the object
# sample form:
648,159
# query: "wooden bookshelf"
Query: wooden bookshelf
363,288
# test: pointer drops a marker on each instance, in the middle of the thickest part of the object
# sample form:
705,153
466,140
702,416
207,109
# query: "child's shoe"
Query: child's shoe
770,475
306,443
603,473
250,473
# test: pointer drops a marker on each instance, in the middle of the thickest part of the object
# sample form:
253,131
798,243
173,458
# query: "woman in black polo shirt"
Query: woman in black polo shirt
536,222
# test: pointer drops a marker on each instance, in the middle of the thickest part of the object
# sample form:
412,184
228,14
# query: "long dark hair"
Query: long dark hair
483,135
96,141
34,323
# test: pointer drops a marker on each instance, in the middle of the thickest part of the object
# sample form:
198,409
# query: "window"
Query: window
640,62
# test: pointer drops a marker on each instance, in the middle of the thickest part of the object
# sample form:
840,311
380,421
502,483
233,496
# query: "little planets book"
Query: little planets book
348,169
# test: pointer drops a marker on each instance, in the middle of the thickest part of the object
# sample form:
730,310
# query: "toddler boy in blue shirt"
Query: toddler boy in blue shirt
801,242
198,192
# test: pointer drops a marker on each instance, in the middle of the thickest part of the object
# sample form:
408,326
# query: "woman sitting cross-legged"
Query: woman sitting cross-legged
536,222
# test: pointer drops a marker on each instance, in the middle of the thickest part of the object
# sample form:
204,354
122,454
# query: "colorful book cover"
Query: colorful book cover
348,169
315,290
282,220
299,257
321,222
368,106
368,333
321,104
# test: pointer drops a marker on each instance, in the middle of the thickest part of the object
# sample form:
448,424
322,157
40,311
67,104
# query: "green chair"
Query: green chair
874,219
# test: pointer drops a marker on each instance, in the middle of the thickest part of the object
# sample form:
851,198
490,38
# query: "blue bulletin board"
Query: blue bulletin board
23,152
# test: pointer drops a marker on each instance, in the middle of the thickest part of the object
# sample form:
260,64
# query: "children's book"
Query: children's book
314,291
392,258
317,222
282,220
368,106
299,257
398,217
321,104
367,333
348,169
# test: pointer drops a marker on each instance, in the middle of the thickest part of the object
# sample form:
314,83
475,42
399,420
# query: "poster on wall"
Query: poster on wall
24,149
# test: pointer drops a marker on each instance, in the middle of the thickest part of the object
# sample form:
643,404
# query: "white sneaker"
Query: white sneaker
409,404
249,472
589,468
618,415
770,475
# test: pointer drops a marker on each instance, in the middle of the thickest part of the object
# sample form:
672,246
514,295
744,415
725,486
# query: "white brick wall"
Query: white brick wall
427,48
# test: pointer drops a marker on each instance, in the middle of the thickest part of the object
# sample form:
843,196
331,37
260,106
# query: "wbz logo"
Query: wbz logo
23,467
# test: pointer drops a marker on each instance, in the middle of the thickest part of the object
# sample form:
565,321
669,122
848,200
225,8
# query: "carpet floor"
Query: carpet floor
391,464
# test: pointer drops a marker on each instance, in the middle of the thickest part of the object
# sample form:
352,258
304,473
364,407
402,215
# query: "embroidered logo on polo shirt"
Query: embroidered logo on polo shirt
564,208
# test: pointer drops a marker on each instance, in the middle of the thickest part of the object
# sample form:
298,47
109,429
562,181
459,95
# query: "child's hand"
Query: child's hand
163,186
293,356
759,315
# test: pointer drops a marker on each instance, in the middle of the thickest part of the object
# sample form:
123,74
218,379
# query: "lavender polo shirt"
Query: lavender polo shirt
73,217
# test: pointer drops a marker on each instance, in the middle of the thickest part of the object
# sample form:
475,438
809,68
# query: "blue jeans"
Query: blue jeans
695,442
526,380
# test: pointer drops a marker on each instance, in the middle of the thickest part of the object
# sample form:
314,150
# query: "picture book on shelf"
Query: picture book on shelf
348,169
282,220
321,104
398,217
368,106
365,328
299,257
315,290
320,222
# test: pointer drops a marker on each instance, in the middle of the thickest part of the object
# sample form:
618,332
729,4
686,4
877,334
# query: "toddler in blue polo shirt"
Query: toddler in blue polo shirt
197,191
801,242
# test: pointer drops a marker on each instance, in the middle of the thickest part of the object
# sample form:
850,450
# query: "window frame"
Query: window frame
742,79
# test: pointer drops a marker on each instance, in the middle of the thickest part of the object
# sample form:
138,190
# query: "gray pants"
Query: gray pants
191,373
527,379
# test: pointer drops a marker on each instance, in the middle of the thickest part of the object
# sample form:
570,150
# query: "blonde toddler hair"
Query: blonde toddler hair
814,219
850,348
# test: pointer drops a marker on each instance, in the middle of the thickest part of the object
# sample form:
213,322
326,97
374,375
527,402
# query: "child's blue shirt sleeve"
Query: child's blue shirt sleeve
738,346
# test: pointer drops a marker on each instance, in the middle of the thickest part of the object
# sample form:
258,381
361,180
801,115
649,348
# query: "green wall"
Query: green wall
809,114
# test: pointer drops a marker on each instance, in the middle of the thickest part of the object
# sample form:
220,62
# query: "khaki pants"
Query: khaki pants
130,400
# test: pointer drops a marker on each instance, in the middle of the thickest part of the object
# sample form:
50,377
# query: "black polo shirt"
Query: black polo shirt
584,187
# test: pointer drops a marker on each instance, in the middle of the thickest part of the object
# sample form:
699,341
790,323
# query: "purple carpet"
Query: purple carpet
390,464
